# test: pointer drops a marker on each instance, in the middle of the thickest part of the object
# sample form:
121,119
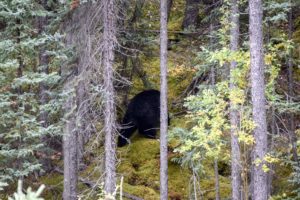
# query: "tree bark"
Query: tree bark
234,116
19,58
43,62
217,181
213,82
70,150
109,42
137,11
70,138
163,101
259,178
82,134
292,135
191,13
170,4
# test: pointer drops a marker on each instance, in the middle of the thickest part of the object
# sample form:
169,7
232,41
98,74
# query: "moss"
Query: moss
93,171
140,168
54,186
179,179
141,191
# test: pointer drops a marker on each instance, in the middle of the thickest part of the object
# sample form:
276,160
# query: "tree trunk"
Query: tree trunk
19,58
170,4
217,181
82,134
213,82
43,62
234,116
271,146
109,42
138,68
292,135
163,101
137,11
191,13
70,161
70,148
259,178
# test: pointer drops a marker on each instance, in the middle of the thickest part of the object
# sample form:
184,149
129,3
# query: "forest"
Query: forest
150,99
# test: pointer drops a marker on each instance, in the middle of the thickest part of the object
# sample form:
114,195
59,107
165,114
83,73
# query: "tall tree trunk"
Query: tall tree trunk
70,139
81,16
137,11
82,134
19,58
191,13
272,125
217,181
292,135
271,146
213,82
163,101
43,58
259,178
43,62
109,42
234,116
70,149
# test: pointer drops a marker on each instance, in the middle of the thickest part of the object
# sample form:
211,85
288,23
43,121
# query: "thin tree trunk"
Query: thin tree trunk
138,68
191,13
109,42
271,145
163,101
82,136
70,134
273,127
19,58
137,11
259,178
217,181
234,116
170,4
43,62
292,135
213,82
70,154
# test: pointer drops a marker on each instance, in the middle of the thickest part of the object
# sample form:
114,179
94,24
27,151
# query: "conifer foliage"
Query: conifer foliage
21,74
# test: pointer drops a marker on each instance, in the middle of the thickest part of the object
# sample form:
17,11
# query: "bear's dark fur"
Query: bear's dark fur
143,113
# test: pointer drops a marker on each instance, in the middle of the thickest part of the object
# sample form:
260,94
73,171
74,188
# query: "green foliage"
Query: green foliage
21,77
294,179
276,11
205,139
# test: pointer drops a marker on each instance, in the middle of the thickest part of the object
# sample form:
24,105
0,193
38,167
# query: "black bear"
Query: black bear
143,113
